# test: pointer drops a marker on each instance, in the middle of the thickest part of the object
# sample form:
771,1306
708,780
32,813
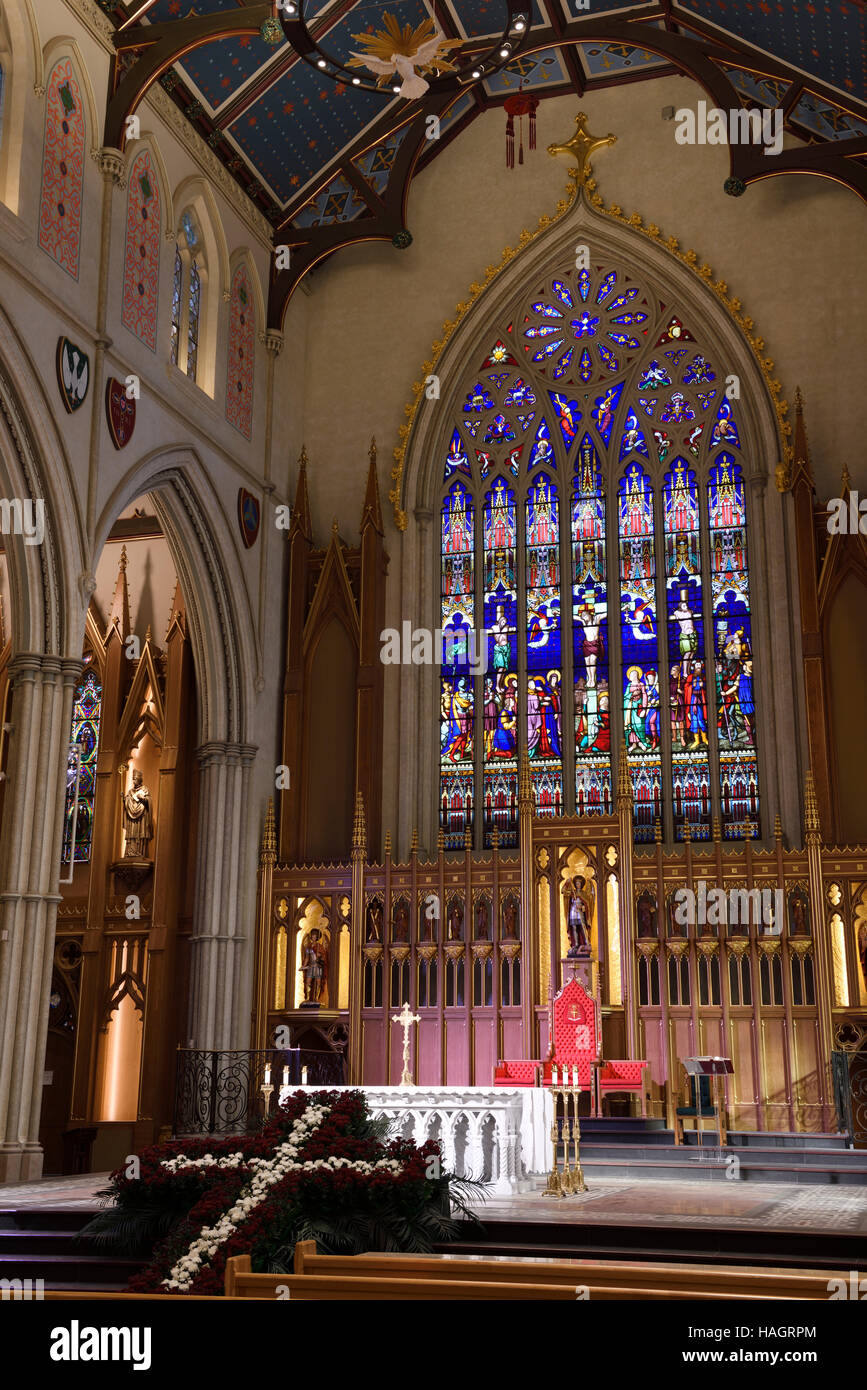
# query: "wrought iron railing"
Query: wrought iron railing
220,1092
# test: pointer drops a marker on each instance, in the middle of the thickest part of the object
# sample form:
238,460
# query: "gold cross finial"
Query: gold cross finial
582,146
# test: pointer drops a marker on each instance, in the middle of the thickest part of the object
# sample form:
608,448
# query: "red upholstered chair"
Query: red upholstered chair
621,1076
576,1037
516,1073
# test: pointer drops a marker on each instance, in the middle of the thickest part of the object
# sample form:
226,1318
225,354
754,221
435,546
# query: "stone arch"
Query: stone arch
780,753
47,603
202,543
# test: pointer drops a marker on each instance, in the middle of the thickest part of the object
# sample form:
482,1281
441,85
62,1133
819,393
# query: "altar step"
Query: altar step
43,1244
629,1130
762,1158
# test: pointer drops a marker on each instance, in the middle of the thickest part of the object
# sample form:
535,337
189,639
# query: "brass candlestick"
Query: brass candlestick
267,1091
567,1173
577,1176
554,1186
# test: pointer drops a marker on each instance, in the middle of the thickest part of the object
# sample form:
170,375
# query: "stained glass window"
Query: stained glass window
457,722
598,398
733,647
639,637
687,701
590,636
193,310
176,305
85,733
500,715
543,689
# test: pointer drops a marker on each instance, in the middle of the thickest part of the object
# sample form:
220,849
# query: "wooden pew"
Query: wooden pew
241,1283
641,1278
390,1277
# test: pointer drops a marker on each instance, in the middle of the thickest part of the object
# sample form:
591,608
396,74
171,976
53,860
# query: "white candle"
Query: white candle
574,1074
303,1076
267,1073
285,1076
554,1074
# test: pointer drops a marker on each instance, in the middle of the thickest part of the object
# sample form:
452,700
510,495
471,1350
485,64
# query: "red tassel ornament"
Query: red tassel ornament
520,105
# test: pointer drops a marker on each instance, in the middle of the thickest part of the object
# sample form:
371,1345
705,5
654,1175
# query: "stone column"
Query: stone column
225,891
42,689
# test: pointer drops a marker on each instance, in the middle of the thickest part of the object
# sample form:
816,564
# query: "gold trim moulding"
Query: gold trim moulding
703,271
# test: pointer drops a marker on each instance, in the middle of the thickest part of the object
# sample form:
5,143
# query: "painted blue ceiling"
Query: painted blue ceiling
281,126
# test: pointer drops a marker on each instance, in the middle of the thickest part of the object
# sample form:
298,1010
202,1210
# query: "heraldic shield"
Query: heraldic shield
119,412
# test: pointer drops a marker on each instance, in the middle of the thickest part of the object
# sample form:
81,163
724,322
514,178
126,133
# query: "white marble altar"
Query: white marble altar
498,1133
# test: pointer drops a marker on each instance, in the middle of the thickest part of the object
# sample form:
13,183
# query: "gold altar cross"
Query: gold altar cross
406,1020
581,146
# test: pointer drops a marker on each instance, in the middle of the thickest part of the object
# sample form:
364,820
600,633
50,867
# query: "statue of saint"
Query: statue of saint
646,916
482,920
400,924
510,921
314,966
374,921
578,907
137,819
456,922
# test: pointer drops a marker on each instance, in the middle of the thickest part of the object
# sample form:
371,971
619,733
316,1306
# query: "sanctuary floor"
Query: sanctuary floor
615,1201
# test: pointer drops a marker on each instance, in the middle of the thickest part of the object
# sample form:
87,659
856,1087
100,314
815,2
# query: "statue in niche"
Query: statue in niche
862,950
798,919
510,921
579,906
314,966
138,823
374,921
482,919
456,922
400,924
646,916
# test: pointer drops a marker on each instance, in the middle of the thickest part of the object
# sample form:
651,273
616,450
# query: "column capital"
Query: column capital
219,753
112,164
26,666
273,340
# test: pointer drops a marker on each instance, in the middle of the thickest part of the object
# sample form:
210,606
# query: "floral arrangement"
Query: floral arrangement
320,1169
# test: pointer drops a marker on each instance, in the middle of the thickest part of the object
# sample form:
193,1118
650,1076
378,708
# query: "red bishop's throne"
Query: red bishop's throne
576,1050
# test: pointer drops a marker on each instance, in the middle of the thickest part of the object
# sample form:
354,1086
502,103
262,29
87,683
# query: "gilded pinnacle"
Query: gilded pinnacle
414,843
388,842
624,782
302,457
359,829
811,807
441,840
269,836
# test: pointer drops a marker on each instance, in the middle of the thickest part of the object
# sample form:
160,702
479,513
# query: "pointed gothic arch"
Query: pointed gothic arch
602,392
